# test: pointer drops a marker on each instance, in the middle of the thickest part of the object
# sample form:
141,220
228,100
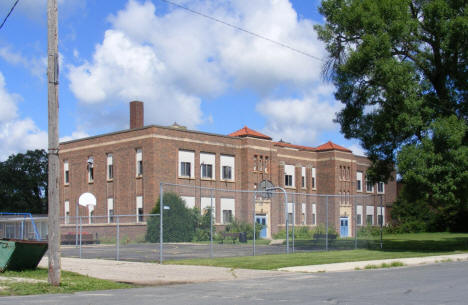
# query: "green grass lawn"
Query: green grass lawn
70,282
395,246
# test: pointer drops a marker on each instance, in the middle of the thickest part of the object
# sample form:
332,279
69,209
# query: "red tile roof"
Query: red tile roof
247,132
331,146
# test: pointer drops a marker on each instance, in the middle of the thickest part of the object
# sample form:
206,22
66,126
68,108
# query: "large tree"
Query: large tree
400,68
23,183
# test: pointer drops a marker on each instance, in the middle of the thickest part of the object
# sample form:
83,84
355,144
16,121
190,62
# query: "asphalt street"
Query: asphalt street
443,283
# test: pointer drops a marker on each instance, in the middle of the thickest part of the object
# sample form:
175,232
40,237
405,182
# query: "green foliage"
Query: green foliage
238,226
202,232
400,69
23,183
305,232
179,222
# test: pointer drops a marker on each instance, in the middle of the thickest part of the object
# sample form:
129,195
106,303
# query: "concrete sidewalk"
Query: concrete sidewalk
349,266
155,274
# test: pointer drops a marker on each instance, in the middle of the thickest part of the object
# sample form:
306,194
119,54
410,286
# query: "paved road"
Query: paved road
445,283
147,252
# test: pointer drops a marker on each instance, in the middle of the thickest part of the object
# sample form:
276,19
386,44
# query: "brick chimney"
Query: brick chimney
136,114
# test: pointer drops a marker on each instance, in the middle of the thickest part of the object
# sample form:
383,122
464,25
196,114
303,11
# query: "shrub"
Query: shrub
237,227
179,222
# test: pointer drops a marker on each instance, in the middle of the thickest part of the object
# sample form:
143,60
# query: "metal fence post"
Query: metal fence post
355,223
294,220
81,235
326,228
117,238
254,195
161,207
381,222
211,225
286,221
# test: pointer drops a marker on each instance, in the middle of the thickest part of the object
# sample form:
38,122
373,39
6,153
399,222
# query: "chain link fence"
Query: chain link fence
202,222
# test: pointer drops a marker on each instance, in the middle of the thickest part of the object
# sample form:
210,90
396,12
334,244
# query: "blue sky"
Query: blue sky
185,68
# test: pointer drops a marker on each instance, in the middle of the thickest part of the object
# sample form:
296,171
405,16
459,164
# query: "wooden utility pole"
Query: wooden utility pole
54,165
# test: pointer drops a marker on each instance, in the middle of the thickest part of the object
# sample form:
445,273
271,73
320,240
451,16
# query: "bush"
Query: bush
179,222
237,227
305,232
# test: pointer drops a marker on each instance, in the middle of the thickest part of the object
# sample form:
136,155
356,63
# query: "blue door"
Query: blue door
344,227
261,219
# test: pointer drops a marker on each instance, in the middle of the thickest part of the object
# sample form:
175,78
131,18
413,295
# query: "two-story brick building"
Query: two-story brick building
124,170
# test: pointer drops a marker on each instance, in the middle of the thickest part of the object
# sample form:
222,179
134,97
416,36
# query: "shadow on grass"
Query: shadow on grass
390,245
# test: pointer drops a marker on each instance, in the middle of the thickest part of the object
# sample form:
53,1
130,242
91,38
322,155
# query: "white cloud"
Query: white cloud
174,61
16,134
37,9
37,66
357,150
79,134
300,120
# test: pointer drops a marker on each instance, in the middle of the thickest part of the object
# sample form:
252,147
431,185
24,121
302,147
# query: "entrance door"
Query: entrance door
344,227
261,219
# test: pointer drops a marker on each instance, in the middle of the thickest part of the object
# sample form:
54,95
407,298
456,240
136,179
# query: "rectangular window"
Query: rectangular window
303,214
228,209
110,167
186,163
90,214
380,187
313,178
139,162
227,167
260,163
227,216
110,210
289,174
380,217
189,201
205,205
266,166
207,171
90,169
66,172
67,212
359,181
359,215
314,213
185,169
369,215
207,164
369,186
303,180
291,213
139,208
227,173
255,159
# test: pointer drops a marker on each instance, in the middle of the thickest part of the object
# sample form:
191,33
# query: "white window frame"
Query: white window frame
304,178
227,161
227,204
66,172
314,179
110,167
379,214
359,213
370,212
314,213
304,214
139,162
186,156
110,207
383,188
207,165
90,167
189,201
359,179
289,170
139,205
206,203
367,189
67,211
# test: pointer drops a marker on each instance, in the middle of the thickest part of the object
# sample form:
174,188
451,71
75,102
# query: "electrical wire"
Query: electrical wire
9,13
243,30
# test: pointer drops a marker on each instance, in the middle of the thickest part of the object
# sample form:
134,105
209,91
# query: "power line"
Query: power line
244,30
9,13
